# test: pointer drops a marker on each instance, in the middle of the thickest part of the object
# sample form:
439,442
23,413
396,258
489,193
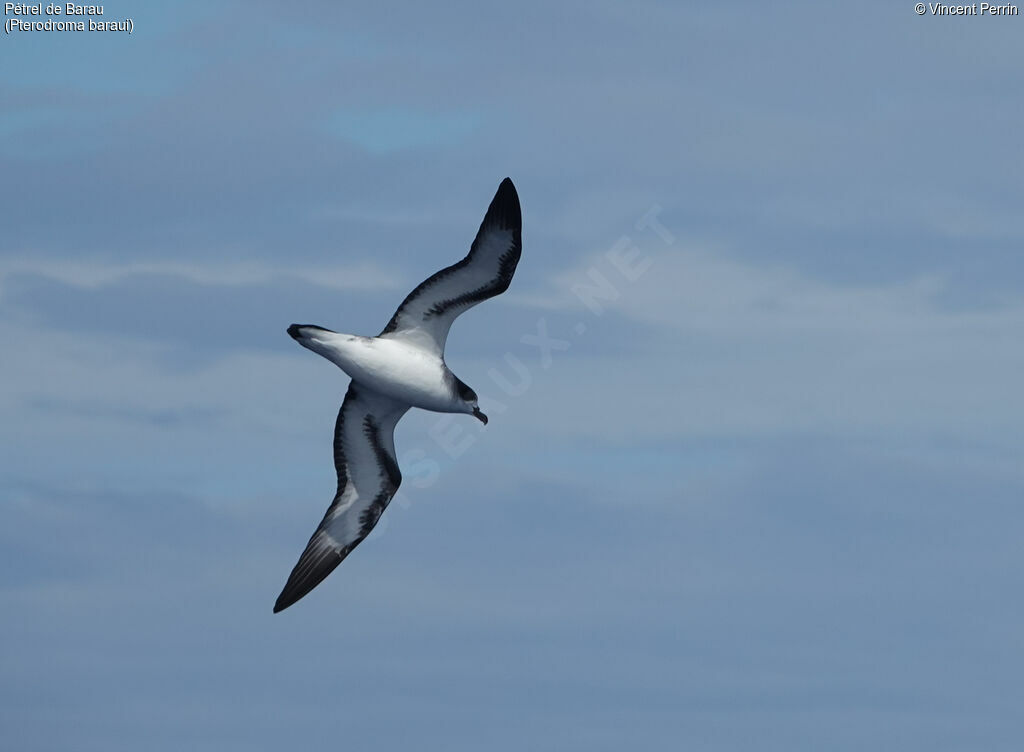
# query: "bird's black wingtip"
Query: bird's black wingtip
504,208
507,190
288,597
293,331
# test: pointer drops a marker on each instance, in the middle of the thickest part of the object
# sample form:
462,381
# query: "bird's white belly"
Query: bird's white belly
398,370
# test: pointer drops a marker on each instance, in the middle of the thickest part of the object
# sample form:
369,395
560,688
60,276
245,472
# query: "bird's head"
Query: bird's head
470,404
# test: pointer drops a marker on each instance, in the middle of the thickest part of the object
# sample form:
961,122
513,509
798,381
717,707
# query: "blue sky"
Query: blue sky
761,491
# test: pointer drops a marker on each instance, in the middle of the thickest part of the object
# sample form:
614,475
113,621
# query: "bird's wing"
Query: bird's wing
427,313
368,476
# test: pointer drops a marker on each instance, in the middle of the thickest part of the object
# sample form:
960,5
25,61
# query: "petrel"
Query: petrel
401,367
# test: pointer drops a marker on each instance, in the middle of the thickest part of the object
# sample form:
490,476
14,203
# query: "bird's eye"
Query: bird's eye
465,392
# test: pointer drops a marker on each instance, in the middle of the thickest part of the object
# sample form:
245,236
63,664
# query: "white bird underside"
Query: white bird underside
402,367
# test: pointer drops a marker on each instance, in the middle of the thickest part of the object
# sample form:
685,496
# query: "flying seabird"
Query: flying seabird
402,367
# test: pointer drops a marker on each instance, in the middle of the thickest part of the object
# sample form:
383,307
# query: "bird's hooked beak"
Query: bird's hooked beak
479,415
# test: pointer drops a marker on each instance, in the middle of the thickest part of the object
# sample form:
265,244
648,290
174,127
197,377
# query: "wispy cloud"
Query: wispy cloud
96,273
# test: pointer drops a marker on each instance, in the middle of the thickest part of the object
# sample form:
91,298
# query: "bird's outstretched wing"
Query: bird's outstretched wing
427,313
368,476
